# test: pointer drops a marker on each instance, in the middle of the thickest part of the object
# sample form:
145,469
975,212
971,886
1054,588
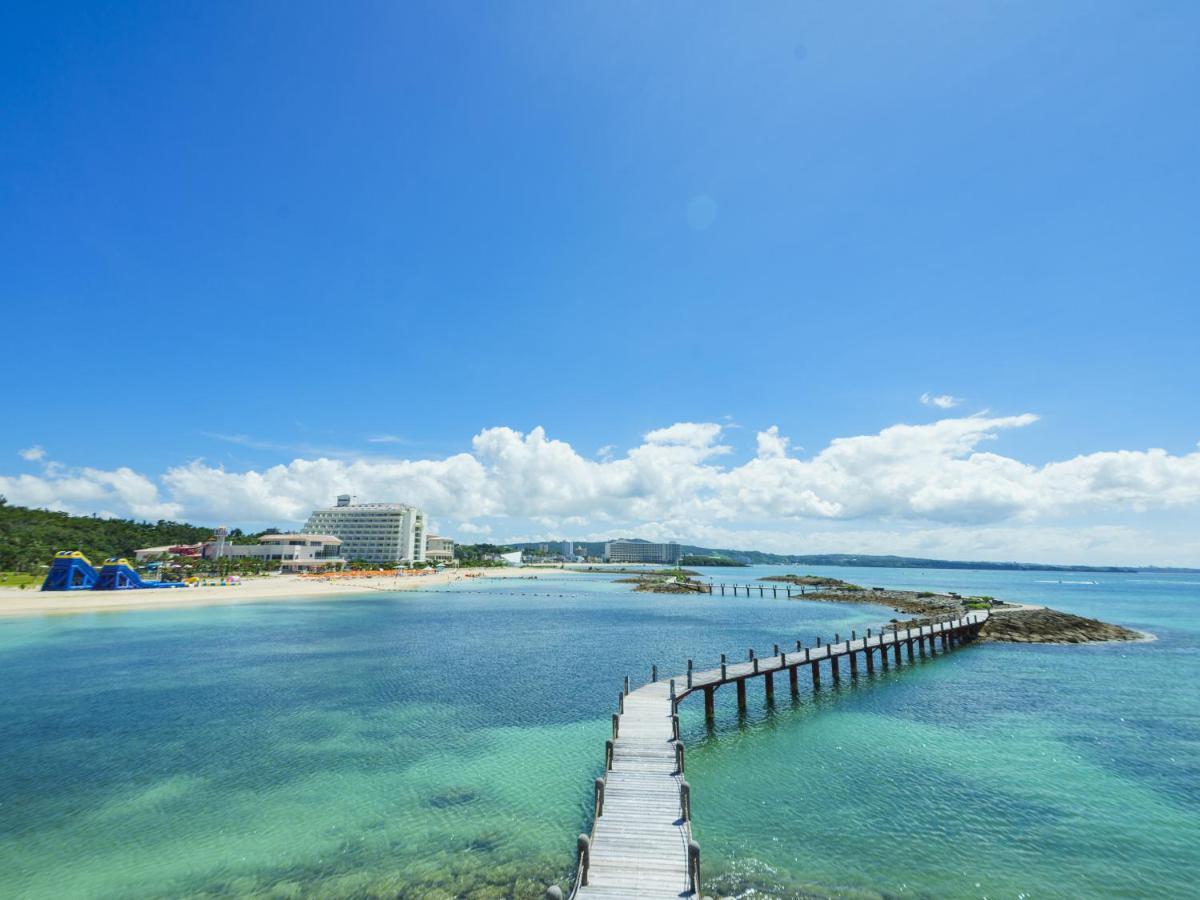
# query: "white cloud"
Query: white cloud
906,489
36,453
941,401
387,439
771,445
85,491
688,434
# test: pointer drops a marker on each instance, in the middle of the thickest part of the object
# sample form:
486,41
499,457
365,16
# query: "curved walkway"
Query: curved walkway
641,842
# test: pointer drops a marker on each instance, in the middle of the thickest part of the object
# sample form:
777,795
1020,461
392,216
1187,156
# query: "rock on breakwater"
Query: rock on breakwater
1009,622
1049,626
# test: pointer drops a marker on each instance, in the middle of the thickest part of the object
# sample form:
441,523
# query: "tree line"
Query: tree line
29,538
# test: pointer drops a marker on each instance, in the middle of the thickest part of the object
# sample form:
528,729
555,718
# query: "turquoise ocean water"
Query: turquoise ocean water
443,743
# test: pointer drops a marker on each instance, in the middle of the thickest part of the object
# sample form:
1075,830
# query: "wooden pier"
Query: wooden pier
739,590
641,843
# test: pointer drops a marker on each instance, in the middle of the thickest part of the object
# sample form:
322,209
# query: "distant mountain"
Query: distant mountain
758,557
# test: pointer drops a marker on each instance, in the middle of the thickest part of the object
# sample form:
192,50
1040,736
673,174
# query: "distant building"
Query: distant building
439,549
511,559
294,552
147,553
567,550
641,552
385,533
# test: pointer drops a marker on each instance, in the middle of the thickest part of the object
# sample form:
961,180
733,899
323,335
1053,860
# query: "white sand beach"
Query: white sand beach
33,602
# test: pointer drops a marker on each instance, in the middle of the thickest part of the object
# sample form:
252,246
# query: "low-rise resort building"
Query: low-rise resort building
439,549
293,552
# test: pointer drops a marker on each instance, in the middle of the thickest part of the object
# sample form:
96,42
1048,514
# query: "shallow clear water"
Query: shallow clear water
443,744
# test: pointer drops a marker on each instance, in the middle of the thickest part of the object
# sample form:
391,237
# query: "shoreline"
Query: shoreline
16,603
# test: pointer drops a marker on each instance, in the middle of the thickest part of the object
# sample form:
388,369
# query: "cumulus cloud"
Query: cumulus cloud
772,445
36,453
119,491
941,401
905,479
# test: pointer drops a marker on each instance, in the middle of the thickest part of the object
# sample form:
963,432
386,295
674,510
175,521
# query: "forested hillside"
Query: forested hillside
30,537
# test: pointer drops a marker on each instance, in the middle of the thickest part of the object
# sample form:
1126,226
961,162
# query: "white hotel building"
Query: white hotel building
388,533
642,552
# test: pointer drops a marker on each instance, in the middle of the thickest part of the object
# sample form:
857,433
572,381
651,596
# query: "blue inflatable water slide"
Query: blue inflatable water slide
72,571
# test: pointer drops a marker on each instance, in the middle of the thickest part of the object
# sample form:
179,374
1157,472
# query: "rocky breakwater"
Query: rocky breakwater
1010,622
1042,625
662,583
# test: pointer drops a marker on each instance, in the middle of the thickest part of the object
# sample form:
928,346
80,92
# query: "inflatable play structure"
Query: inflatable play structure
72,571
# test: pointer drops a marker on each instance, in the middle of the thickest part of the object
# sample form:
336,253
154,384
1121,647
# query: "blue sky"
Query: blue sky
241,236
